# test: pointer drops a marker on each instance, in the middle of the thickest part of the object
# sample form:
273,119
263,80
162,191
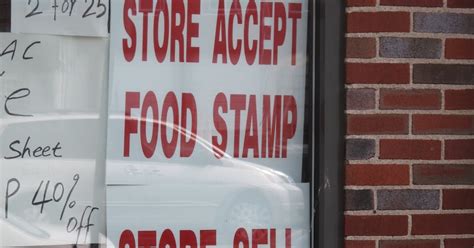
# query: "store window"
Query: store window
189,123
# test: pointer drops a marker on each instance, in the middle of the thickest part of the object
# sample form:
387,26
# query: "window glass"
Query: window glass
190,125
206,123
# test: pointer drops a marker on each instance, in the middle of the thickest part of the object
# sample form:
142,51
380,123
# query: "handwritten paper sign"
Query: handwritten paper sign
52,132
62,17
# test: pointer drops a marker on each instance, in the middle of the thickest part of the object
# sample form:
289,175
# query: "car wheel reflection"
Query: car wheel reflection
249,213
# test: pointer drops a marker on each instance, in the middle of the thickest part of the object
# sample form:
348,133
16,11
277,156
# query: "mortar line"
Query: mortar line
377,99
409,212
414,187
435,10
440,199
409,87
443,100
411,111
410,222
413,237
409,35
411,60
376,204
443,150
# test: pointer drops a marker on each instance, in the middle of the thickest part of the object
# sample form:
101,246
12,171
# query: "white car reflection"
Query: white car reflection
203,192
200,192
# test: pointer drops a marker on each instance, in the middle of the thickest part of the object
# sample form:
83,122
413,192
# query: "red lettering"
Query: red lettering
251,130
129,50
294,13
272,238
146,239
288,238
226,44
241,237
234,51
127,239
279,33
259,237
265,55
188,105
177,10
289,126
220,102
150,115
237,103
148,148
170,102
277,126
160,51
167,239
187,238
132,100
208,237
192,53
145,7
271,130
250,51
220,40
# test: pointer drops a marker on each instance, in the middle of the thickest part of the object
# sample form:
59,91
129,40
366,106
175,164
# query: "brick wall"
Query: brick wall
410,124
4,15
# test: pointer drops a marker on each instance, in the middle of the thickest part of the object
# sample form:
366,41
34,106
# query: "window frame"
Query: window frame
328,33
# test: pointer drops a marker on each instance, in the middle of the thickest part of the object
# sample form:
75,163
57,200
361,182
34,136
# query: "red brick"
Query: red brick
459,99
443,124
458,243
360,99
443,174
377,124
410,149
453,74
360,48
410,99
458,199
359,244
434,224
360,3
460,48
5,11
424,243
377,73
460,4
381,225
377,22
362,175
459,149
414,3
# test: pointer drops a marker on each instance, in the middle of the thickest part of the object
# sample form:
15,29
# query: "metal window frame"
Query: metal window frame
329,123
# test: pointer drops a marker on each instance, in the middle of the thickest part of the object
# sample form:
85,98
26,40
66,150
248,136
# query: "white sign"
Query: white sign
62,17
212,214
52,132
205,129
182,78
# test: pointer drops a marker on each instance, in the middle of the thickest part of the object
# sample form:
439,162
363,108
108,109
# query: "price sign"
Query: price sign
63,17
52,132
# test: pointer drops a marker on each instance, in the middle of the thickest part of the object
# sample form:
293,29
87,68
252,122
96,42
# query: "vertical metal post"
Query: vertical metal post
330,127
